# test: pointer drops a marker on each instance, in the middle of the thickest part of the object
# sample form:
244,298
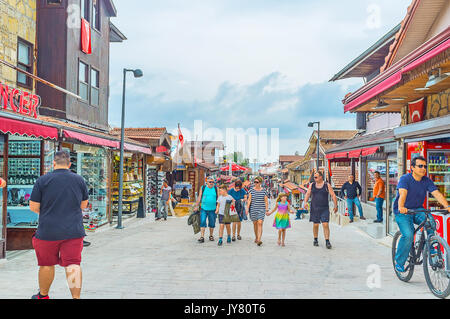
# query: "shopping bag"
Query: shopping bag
229,216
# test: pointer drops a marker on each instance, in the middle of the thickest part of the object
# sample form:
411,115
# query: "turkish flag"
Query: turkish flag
416,110
86,37
180,136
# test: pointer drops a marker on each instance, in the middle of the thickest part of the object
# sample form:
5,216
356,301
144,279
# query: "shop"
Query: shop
27,151
154,178
367,154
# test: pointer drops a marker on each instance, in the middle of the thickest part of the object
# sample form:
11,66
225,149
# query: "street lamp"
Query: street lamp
311,124
137,74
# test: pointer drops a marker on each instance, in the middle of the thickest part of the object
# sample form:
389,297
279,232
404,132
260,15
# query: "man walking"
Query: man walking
351,191
379,196
165,192
320,210
59,198
207,201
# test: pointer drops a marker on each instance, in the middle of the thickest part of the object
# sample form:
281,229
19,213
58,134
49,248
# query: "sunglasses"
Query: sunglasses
422,166
316,177
256,182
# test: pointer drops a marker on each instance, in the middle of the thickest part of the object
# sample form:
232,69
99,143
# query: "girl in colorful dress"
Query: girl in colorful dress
282,221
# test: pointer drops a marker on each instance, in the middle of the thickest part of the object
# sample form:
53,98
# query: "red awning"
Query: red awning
93,140
26,128
369,151
330,156
354,154
396,77
340,155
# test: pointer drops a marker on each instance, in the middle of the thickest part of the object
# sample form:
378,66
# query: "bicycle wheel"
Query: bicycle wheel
437,271
405,276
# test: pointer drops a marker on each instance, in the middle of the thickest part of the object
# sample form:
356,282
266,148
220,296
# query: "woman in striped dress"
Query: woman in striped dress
258,206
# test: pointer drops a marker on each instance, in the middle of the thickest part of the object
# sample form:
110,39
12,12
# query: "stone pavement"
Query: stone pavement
149,259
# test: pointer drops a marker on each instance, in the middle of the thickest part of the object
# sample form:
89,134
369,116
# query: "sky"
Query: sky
249,64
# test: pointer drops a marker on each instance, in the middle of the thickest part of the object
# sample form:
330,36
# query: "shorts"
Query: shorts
60,252
320,215
210,215
221,220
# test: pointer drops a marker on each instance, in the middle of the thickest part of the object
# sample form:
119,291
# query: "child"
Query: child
281,221
220,210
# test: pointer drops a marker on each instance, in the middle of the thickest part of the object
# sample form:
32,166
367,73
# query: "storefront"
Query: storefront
367,154
154,177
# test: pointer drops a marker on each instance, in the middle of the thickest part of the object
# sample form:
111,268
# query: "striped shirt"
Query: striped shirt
258,203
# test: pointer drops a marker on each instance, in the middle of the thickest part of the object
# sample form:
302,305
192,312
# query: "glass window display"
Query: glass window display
2,146
91,164
24,168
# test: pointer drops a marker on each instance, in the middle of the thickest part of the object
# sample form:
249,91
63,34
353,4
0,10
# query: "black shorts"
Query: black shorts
320,215
221,220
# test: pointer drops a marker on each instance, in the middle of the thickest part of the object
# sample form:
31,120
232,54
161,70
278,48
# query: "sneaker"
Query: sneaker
37,296
328,244
220,242
399,268
351,221
228,240
316,243
434,255
362,218
86,243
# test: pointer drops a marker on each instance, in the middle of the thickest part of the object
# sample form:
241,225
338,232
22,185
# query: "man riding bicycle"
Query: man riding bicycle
412,191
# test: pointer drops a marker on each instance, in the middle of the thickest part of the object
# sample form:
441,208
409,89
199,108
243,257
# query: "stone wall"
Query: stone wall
17,19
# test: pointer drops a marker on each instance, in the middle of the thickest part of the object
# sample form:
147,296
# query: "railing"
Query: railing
369,210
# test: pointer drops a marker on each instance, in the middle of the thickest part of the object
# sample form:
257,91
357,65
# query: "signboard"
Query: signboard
19,101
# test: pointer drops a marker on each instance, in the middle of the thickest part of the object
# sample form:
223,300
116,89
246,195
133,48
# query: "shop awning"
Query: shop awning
89,139
396,77
26,128
330,156
131,147
340,155
369,151
354,154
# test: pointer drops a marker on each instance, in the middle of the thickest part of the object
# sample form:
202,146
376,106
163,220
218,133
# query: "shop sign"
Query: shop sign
19,101
161,149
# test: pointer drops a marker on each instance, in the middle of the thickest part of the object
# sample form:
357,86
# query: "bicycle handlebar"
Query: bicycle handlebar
417,211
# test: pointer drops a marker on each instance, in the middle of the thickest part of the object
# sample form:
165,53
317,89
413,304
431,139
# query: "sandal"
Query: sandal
233,239
259,243
201,240
239,237
211,238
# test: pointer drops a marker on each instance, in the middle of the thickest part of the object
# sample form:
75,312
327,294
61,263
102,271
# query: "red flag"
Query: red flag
180,136
86,37
416,110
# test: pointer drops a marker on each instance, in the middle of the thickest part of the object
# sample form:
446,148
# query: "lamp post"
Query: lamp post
311,124
137,74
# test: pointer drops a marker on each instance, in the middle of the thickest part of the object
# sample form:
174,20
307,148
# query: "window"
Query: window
95,85
24,62
83,80
85,10
96,15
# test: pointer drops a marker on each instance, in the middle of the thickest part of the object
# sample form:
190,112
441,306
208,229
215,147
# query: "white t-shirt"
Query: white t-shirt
222,200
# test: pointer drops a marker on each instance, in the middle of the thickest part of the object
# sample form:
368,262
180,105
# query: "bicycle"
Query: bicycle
436,266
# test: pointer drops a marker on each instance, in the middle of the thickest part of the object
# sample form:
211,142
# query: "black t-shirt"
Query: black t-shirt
60,194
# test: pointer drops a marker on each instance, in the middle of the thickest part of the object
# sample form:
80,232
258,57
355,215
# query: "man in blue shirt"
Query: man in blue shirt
412,191
351,190
59,198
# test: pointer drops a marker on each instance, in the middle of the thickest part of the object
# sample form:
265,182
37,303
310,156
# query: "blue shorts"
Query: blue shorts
210,215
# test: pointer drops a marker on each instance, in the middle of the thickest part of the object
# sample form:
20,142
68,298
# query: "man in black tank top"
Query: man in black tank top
320,210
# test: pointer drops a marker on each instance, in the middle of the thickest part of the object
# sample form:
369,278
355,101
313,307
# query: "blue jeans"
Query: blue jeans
406,225
350,207
210,215
162,205
379,205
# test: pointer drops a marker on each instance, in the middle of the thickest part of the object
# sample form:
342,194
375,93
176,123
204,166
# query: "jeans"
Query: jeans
162,205
379,205
210,215
406,225
350,207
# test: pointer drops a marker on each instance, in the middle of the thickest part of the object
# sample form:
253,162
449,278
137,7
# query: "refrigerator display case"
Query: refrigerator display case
439,171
